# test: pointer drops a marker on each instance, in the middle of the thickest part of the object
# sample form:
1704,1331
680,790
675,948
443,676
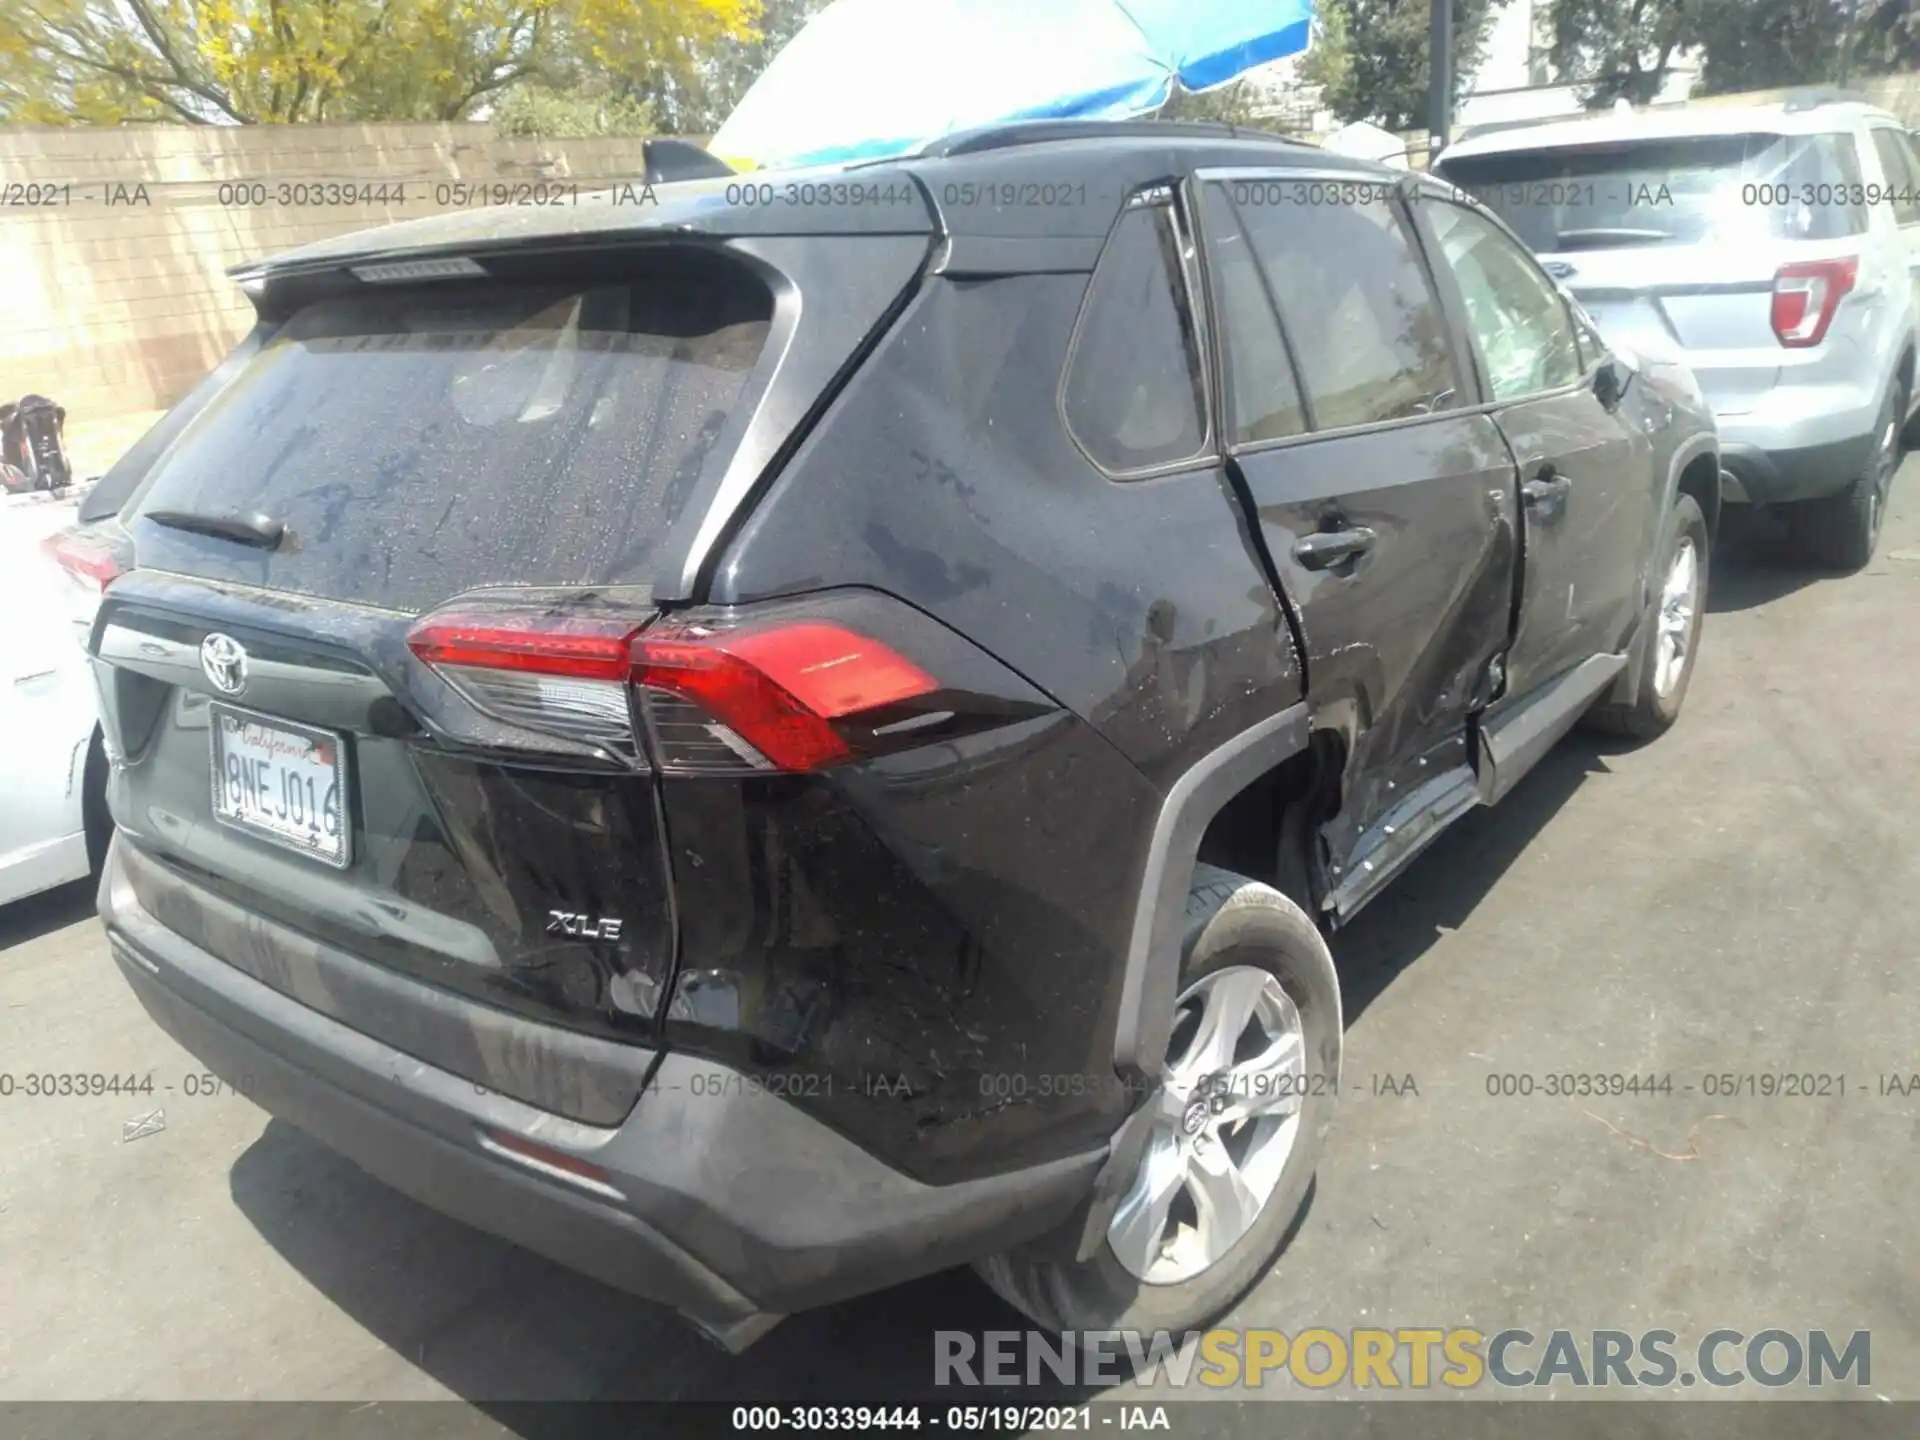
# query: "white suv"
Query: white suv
1776,248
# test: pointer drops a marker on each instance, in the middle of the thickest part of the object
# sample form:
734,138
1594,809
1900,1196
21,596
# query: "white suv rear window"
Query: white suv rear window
1686,190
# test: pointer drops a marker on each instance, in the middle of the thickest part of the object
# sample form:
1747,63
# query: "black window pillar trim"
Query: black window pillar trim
1230,443
1445,284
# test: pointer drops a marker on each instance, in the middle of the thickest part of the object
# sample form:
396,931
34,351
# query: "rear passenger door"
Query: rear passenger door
1384,503
1587,488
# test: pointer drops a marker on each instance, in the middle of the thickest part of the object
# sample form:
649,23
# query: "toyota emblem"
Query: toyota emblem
224,660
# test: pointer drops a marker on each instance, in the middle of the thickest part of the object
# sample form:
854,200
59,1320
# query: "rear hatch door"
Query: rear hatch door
302,795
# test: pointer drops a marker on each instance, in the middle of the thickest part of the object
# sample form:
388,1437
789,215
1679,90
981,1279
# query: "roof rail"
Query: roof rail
1813,99
1042,132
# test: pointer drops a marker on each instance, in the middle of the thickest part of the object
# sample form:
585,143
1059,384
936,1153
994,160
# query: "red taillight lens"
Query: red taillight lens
89,566
580,648
1805,297
717,700
556,674
778,688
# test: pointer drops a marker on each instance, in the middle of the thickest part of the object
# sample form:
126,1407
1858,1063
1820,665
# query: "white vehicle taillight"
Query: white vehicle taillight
724,701
1805,296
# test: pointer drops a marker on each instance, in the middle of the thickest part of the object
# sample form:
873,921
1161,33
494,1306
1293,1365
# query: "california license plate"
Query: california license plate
283,782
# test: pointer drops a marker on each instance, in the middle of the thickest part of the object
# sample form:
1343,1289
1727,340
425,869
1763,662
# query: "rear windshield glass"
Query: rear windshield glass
418,444
1677,191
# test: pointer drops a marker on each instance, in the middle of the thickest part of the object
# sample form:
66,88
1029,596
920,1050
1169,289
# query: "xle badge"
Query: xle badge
583,927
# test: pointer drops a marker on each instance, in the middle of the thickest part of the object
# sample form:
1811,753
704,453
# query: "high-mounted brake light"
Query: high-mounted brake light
753,698
88,566
1805,296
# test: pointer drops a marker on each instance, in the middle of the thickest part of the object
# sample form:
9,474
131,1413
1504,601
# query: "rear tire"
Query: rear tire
1842,531
1675,614
1243,940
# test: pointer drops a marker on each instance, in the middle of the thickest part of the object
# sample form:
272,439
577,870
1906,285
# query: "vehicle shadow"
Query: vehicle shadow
1444,885
46,912
1756,563
500,1327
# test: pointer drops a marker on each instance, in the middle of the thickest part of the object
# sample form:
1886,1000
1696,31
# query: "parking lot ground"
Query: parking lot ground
1736,900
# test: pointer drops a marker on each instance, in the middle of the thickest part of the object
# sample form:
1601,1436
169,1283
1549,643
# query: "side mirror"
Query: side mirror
1610,381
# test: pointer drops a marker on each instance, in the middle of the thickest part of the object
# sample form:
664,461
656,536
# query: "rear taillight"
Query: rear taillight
1805,296
753,697
778,690
562,675
92,567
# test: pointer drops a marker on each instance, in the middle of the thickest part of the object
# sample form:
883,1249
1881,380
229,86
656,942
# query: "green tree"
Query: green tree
1235,104
253,61
1886,37
696,97
1387,78
1329,60
592,107
1620,50
1764,44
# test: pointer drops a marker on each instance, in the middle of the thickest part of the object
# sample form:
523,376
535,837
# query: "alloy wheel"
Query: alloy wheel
1228,1116
1679,604
1886,461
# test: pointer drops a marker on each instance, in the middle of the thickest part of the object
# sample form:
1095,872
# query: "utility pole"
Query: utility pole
1440,81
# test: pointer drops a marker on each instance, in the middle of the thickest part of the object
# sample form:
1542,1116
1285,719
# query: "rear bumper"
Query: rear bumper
1775,476
713,1196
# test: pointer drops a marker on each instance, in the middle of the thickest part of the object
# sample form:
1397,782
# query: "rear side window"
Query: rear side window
1370,337
1263,399
1679,191
1133,394
1901,175
416,444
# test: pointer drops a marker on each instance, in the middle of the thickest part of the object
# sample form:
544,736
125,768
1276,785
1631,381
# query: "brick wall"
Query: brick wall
116,302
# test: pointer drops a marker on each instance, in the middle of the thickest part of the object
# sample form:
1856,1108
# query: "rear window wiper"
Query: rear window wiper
259,530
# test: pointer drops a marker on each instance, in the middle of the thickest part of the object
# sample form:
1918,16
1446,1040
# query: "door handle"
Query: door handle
1327,548
1546,489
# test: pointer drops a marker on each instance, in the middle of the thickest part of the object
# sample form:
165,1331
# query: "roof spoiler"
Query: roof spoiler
668,160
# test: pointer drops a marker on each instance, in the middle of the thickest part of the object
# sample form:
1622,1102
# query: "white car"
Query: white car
1776,248
53,819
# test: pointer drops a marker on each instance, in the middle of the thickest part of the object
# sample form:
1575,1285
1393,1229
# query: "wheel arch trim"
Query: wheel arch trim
1689,450
1150,976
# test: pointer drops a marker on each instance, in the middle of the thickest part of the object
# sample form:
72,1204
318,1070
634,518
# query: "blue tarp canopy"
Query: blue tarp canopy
867,78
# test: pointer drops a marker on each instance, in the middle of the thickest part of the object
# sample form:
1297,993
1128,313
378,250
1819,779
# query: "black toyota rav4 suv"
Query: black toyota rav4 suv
771,735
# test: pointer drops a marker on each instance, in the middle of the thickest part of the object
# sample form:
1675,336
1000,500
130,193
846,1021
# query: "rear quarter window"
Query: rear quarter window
419,443
1133,393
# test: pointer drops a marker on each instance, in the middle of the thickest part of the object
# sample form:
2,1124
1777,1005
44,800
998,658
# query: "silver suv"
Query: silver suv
1775,249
